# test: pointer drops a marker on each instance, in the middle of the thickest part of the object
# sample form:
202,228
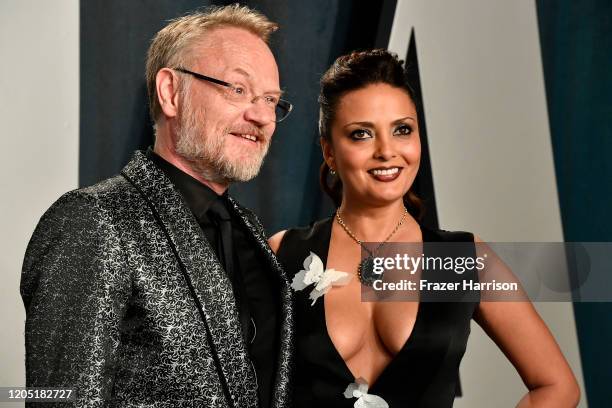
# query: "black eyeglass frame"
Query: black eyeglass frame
284,104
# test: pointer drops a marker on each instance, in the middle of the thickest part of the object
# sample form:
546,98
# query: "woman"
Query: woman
398,353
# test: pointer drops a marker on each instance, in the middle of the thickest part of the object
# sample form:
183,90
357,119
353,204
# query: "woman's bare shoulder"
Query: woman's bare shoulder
275,240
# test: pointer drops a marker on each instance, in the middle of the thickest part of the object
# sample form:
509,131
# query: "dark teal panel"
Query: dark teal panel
576,41
114,38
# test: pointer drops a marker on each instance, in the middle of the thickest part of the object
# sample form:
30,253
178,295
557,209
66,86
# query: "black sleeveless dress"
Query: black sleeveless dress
423,374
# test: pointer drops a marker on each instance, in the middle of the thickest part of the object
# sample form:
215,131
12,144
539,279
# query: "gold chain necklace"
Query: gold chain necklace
365,270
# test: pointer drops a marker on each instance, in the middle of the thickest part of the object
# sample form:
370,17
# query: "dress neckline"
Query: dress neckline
323,252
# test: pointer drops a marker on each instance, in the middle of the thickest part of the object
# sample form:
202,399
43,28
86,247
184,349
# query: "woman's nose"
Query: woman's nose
384,148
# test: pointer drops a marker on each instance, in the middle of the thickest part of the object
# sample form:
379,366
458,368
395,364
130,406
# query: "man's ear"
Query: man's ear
328,153
166,83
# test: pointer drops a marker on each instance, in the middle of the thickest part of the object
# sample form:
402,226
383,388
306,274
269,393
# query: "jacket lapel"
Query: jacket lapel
281,395
207,280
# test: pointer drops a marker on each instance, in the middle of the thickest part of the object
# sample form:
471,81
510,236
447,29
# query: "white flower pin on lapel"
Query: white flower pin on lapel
323,279
359,390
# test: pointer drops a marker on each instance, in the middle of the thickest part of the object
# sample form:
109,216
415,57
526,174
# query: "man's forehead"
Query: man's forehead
233,45
237,51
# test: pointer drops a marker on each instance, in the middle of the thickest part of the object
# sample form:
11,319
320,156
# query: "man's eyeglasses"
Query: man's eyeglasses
242,94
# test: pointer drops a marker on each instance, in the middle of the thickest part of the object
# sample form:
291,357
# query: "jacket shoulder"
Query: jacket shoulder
109,194
88,210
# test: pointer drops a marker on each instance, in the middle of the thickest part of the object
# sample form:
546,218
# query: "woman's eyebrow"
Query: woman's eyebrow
364,124
370,124
403,119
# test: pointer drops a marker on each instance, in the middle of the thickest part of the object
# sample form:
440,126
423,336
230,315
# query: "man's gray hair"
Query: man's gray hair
171,45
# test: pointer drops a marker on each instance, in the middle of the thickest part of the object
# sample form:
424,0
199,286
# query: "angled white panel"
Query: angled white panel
491,155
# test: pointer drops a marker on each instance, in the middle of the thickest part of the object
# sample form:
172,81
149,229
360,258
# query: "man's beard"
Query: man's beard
205,151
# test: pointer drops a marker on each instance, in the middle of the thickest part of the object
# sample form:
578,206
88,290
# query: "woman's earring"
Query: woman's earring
332,172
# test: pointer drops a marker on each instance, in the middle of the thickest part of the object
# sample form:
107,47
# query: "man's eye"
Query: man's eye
238,90
360,134
403,130
271,100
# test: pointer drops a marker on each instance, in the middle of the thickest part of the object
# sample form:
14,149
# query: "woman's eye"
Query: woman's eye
360,134
403,130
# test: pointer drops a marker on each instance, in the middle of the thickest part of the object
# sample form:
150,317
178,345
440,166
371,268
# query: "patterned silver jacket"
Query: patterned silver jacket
127,303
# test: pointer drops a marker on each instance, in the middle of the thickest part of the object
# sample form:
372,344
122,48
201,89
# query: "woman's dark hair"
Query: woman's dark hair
349,73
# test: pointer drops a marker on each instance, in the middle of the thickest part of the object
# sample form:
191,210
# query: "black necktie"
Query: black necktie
219,213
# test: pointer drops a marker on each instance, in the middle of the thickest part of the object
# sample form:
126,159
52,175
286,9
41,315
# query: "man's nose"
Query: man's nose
257,112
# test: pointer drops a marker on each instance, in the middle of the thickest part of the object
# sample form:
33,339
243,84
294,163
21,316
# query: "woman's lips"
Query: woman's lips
385,174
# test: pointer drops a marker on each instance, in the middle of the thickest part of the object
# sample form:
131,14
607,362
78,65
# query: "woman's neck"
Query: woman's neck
372,224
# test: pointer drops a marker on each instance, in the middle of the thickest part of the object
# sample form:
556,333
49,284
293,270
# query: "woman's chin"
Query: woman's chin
376,196
382,200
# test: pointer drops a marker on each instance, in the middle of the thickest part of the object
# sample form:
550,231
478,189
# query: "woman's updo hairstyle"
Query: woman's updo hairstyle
349,73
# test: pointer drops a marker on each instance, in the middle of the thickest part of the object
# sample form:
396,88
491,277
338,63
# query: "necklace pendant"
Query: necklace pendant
366,272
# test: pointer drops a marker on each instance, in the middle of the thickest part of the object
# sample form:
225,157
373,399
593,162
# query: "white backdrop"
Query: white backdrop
39,113
492,162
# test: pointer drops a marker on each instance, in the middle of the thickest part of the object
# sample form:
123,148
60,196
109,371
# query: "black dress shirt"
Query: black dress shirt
252,280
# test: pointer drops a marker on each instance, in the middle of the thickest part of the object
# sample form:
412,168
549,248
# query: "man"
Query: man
155,288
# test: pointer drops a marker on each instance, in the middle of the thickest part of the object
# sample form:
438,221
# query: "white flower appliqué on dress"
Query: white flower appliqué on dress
323,279
359,390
